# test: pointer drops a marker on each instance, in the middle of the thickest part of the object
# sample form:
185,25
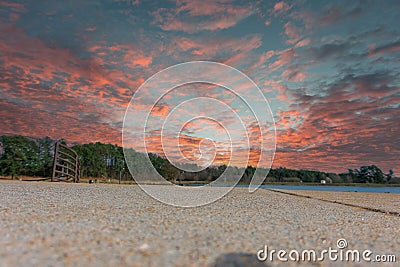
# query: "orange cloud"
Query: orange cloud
161,111
64,95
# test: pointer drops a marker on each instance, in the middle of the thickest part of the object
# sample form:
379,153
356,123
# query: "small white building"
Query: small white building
323,181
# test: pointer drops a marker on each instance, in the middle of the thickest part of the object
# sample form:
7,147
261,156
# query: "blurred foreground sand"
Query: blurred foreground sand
58,224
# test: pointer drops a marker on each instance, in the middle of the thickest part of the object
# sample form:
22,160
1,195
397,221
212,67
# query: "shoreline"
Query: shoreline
128,182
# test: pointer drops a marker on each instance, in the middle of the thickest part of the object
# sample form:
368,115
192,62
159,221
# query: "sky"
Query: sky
329,70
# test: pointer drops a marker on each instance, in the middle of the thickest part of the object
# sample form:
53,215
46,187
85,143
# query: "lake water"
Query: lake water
371,189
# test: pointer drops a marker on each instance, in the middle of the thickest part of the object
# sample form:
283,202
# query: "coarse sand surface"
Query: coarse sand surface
59,224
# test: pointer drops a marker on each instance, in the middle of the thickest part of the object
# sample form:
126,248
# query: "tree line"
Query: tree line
34,157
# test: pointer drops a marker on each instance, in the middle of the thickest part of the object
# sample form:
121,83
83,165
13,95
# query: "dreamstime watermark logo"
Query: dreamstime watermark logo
198,114
341,253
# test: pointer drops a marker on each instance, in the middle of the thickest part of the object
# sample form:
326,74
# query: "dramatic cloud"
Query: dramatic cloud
329,71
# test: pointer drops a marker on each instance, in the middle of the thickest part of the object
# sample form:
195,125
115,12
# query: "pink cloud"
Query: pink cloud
121,54
303,42
206,7
188,16
161,111
209,48
281,7
390,48
15,7
285,57
142,61
292,32
261,60
308,18
281,90
322,127
294,74
90,29
55,85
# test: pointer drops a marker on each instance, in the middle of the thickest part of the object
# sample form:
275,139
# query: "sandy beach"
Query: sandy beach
58,224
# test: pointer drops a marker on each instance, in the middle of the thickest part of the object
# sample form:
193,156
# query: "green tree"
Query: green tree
46,155
92,159
20,156
369,174
389,176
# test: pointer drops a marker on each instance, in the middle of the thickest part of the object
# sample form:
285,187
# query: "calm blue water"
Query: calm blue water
372,189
